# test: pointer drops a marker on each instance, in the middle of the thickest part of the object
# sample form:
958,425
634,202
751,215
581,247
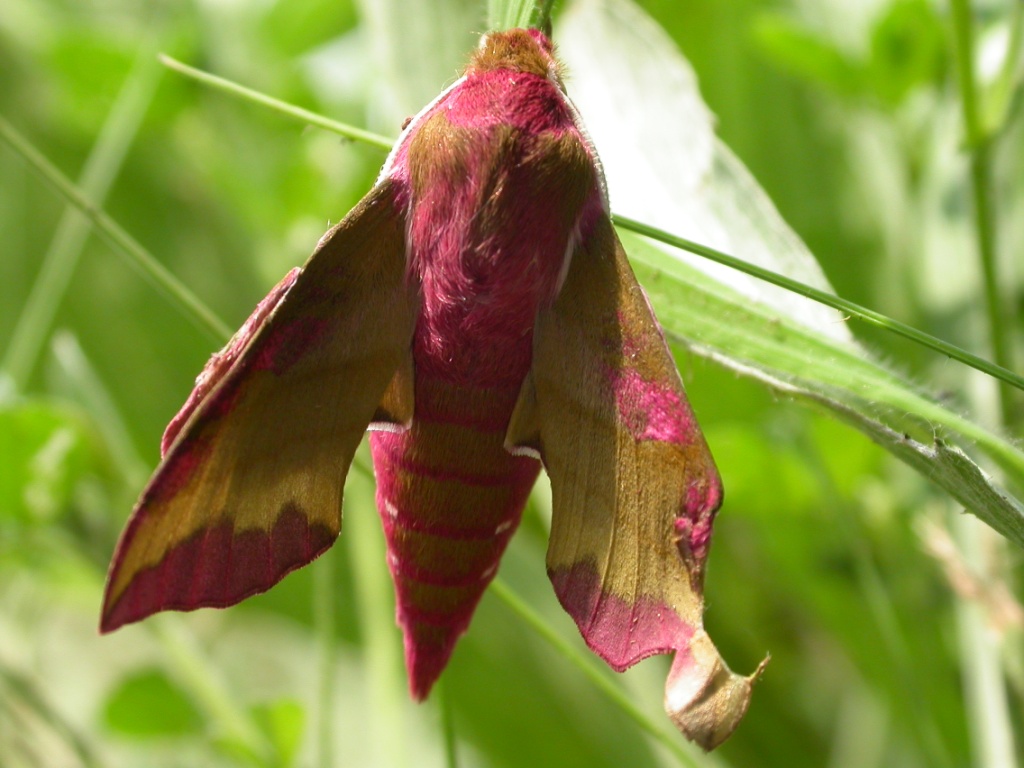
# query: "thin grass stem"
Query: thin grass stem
292,111
671,741
979,145
324,620
375,609
853,309
197,675
19,690
541,18
981,662
115,236
101,168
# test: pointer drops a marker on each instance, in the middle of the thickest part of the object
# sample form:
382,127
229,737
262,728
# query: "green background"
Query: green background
825,551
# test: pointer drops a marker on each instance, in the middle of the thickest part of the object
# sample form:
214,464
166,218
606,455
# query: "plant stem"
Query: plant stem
324,624
451,756
101,168
1000,94
998,325
672,741
197,675
297,113
981,659
979,144
541,18
990,722
90,391
21,692
375,609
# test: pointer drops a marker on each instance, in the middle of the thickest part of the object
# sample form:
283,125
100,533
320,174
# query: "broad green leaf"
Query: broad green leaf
655,136
665,166
718,323
148,706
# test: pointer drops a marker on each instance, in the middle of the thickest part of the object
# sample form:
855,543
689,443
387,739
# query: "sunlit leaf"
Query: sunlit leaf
704,193
416,49
640,101
723,325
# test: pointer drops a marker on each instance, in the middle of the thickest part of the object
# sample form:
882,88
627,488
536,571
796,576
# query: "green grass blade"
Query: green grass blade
829,300
716,322
101,168
289,110
122,243
670,740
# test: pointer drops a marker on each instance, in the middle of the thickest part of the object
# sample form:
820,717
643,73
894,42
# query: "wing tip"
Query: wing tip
216,567
109,622
703,697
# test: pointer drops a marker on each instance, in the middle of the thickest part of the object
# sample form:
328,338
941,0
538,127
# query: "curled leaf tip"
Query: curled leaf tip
703,697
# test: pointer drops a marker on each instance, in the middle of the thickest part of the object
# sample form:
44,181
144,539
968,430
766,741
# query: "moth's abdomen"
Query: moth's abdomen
499,178
450,496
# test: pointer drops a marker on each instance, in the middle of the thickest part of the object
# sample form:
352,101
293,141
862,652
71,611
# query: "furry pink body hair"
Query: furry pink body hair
487,244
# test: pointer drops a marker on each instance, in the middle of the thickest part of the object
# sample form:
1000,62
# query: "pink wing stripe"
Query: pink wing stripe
218,567
619,631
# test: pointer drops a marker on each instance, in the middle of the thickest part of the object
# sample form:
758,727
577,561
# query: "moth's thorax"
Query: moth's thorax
499,179
516,50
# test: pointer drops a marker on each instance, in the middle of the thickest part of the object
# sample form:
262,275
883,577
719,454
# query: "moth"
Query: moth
477,314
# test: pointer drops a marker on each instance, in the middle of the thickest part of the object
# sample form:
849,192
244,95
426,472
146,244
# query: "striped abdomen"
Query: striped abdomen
450,497
498,176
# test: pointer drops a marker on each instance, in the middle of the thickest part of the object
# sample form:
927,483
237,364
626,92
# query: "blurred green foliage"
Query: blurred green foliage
848,119
906,51
146,705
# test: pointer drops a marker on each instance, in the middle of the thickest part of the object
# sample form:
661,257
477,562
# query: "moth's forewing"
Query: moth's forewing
634,488
250,487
